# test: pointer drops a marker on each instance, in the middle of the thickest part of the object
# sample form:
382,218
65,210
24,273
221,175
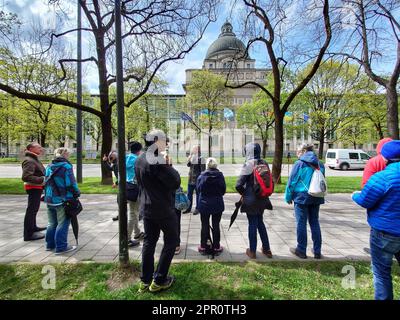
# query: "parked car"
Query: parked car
345,159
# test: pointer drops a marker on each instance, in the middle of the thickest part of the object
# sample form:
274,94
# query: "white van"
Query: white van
345,159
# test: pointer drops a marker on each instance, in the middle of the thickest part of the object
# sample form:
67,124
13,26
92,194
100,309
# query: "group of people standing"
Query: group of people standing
150,169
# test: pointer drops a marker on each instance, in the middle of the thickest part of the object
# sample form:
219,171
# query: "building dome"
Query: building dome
226,43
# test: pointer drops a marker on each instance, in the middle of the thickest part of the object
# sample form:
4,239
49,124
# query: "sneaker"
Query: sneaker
143,287
267,253
177,250
195,212
185,212
69,249
318,256
115,218
201,249
298,254
154,287
251,254
140,236
35,236
133,243
50,249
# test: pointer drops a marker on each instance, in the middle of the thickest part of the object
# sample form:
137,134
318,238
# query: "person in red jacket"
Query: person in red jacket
374,165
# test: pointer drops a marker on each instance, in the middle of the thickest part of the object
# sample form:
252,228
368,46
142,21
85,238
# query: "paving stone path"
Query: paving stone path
344,230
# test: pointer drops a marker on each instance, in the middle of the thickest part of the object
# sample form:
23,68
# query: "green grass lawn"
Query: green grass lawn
93,186
195,280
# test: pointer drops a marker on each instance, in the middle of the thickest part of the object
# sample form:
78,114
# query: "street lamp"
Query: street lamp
122,206
79,99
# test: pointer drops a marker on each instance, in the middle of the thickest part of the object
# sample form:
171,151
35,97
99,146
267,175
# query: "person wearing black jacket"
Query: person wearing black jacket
252,205
196,164
157,181
211,187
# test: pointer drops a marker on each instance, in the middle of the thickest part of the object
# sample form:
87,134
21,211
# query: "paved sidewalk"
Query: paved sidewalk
344,230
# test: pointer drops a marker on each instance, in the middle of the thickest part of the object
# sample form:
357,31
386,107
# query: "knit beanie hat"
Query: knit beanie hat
391,150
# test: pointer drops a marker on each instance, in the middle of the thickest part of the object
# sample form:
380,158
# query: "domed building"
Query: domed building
227,54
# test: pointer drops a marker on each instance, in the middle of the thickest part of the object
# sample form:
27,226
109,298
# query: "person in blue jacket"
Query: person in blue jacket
211,187
381,197
306,207
60,185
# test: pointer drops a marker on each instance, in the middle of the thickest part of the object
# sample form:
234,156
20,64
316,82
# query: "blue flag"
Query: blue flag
186,117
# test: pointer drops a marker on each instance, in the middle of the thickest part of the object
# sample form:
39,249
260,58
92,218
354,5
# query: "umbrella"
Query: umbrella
75,227
235,213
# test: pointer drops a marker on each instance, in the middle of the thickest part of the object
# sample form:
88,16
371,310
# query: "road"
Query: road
93,170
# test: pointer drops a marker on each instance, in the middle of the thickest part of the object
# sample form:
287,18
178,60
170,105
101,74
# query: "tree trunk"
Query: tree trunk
42,139
209,144
321,143
106,176
278,154
264,152
392,112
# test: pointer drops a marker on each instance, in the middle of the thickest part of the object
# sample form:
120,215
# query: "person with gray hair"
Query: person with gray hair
158,182
306,206
211,187
60,187
33,178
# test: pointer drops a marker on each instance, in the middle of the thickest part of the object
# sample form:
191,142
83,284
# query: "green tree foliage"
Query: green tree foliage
326,97
208,96
258,115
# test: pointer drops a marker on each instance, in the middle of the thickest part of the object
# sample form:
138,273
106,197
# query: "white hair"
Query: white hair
212,163
305,147
60,152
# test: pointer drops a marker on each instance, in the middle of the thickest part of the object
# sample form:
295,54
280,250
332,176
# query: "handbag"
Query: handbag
182,202
72,207
132,191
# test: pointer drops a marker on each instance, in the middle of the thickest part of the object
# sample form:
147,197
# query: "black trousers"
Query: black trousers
178,216
205,229
30,226
152,228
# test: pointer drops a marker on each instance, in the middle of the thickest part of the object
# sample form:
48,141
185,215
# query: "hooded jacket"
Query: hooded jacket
300,179
60,182
244,185
211,188
381,197
376,163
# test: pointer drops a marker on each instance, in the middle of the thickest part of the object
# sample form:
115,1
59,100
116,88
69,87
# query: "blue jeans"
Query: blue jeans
57,229
191,189
256,223
383,247
303,213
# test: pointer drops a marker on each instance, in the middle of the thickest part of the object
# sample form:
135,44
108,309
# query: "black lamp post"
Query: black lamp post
79,100
122,206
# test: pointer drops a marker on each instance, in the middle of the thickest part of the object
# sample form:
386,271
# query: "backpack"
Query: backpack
318,186
182,202
263,183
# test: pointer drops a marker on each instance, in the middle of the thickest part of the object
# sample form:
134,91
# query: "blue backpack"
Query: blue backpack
182,202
